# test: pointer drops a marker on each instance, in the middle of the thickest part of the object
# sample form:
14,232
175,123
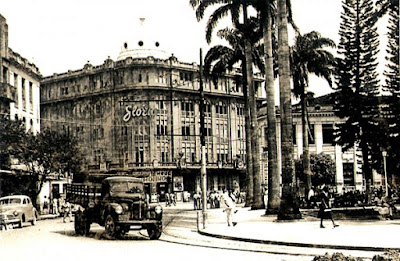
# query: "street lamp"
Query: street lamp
384,154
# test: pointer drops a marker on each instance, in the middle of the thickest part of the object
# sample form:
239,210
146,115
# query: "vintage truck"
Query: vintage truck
118,203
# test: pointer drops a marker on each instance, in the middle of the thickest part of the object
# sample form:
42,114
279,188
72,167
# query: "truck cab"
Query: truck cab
119,204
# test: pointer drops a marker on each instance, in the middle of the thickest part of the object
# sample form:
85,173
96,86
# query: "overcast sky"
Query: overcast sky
63,35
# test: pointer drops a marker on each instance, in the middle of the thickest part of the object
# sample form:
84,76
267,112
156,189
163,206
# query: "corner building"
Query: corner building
139,116
19,85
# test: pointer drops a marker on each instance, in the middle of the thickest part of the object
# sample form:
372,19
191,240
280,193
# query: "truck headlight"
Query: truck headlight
158,209
15,213
118,209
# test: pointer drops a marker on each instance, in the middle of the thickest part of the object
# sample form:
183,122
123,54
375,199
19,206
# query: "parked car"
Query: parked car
16,210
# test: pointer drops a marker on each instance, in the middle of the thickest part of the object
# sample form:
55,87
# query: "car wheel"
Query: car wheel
110,227
34,220
154,232
21,222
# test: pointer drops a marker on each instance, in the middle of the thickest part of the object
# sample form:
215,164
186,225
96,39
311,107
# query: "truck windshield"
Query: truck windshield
126,187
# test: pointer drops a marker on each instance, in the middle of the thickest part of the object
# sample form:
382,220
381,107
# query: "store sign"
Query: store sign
132,112
158,176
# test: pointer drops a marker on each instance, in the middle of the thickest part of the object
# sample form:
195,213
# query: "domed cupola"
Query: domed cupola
143,46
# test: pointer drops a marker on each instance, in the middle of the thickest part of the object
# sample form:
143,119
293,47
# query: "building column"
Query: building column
339,169
318,137
299,139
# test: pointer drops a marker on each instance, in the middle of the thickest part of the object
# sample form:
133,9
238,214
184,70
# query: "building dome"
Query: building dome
143,46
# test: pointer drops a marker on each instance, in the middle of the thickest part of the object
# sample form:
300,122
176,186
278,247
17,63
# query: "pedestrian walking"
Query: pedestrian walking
229,209
325,210
172,199
167,200
67,211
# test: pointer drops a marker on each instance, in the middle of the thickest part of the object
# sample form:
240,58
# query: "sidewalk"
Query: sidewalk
254,226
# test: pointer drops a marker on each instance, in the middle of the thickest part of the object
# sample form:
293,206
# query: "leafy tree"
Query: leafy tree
322,168
357,81
12,138
50,153
309,56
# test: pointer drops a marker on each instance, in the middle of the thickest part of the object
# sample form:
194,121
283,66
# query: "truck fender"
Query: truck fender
109,209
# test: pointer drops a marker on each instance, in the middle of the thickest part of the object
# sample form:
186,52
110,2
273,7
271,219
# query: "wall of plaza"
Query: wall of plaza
140,116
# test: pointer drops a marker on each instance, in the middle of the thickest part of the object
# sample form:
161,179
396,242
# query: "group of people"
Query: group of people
227,200
170,199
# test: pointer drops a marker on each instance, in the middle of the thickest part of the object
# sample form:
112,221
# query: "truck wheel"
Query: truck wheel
110,227
154,231
78,223
85,224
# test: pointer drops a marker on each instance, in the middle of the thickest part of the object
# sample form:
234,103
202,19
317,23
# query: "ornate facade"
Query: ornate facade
140,115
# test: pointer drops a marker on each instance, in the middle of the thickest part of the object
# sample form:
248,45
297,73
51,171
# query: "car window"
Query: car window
3,201
15,201
24,202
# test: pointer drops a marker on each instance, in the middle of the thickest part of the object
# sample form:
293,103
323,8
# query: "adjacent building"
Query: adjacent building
19,84
321,125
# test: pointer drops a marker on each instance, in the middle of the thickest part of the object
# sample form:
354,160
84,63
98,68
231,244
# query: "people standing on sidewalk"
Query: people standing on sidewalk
55,207
229,203
311,198
325,210
197,201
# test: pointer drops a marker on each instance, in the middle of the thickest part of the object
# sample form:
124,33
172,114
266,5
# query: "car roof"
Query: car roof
15,196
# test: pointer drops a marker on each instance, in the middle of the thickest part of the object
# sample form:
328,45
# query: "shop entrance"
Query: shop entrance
161,190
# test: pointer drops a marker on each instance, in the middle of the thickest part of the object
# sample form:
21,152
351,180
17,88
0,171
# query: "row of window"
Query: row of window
327,134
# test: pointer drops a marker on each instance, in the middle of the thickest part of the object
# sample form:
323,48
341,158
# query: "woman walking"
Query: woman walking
325,210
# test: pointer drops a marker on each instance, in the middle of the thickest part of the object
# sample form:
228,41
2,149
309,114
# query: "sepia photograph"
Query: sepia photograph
200,130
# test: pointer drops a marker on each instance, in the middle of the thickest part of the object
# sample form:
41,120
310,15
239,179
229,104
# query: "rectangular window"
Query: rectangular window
294,135
348,174
327,134
185,130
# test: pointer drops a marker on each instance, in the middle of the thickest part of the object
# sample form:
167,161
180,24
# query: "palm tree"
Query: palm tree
234,7
267,13
309,56
289,209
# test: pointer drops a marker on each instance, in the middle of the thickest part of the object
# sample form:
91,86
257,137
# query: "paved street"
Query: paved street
52,239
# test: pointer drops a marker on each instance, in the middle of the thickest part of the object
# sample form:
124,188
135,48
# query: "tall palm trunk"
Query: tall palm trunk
306,151
249,152
273,172
288,207
257,201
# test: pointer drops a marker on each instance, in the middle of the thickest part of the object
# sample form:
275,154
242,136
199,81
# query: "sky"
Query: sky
60,35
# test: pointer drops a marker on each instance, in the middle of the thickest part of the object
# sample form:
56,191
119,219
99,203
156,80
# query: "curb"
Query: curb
294,244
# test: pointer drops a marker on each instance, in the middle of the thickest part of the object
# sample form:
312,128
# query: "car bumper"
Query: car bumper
8,219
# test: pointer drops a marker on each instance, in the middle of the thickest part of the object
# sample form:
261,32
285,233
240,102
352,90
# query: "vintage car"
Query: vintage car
16,210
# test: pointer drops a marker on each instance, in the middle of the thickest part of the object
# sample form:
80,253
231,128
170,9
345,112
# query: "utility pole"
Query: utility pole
203,145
